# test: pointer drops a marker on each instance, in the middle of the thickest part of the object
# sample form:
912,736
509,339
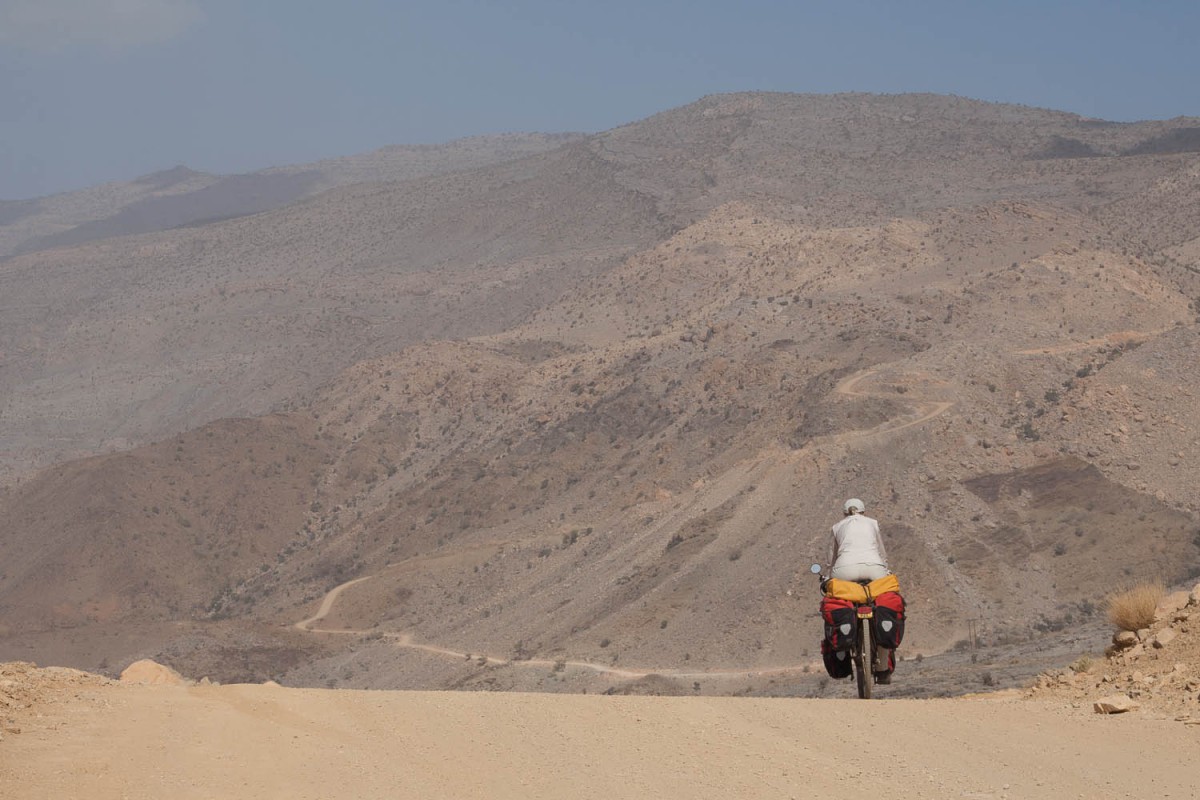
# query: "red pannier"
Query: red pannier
840,622
889,620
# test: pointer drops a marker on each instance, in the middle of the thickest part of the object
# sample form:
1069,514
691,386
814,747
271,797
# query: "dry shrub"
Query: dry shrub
1133,609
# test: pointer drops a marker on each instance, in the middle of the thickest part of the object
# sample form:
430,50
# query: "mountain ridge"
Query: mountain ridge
180,196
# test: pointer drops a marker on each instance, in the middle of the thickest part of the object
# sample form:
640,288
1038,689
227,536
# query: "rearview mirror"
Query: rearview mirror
815,569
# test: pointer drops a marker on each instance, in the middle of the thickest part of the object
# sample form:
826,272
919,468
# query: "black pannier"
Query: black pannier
837,662
889,620
841,622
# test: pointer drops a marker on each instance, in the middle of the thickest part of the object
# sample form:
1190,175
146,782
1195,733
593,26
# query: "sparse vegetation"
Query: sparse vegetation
1133,609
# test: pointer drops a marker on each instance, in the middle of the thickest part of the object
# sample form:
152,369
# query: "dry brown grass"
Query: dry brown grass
1133,609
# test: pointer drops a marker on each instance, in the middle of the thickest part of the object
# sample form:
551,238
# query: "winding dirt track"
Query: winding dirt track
926,410
327,605
406,640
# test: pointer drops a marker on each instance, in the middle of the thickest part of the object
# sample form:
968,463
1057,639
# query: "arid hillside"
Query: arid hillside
589,413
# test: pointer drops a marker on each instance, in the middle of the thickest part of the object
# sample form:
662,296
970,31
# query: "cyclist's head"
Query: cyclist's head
853,506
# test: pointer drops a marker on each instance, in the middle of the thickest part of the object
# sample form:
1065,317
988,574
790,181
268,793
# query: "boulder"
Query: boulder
1114,704
151,673
1123,639
1194,597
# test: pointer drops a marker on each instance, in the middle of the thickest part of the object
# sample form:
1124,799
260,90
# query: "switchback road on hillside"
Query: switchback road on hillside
926,410
849,387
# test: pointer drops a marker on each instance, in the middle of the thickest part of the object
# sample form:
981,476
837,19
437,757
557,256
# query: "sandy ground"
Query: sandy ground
122,741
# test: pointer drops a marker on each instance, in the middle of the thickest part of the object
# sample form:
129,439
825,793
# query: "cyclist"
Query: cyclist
857,552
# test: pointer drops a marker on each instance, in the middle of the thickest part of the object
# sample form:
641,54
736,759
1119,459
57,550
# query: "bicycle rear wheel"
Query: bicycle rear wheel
863,658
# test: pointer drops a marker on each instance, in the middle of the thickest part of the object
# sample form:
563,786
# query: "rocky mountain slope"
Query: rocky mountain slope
1155,670
597,407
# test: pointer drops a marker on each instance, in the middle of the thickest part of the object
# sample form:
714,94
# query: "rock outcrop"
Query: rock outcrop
1156,669
152,673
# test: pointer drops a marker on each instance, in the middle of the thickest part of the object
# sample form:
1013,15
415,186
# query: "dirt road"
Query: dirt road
267,742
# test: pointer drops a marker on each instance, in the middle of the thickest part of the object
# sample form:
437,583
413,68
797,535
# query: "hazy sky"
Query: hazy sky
99,90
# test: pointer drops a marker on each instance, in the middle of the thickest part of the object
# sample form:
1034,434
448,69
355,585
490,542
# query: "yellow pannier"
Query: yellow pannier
857,593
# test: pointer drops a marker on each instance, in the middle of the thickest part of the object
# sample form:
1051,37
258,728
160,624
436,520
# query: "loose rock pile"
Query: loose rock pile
1156,668
24,686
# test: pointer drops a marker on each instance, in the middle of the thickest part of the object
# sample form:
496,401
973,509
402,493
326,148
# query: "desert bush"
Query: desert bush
1133,609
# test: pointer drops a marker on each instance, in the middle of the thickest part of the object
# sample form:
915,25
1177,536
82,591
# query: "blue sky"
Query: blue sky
99,90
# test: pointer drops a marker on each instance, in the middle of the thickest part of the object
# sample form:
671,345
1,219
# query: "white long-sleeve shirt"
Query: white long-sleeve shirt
856,542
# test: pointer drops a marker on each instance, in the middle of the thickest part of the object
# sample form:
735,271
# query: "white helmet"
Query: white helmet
853,506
